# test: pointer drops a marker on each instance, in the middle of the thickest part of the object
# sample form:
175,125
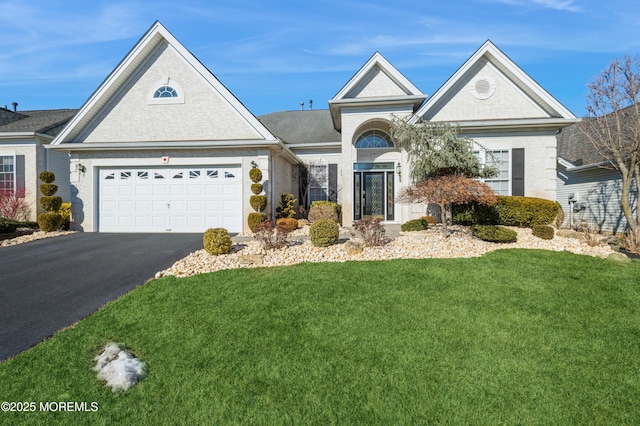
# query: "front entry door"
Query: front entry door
373,194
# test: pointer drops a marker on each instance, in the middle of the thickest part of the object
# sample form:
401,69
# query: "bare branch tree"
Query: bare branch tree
614,129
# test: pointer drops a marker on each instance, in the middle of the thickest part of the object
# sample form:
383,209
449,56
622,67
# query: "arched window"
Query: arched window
374,139
165,92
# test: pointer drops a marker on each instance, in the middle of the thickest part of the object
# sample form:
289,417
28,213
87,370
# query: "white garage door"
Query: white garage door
186,199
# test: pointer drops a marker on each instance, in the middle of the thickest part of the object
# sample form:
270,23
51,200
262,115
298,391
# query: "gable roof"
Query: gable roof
302,127
154,37
555,111
46,122
575,148
399,89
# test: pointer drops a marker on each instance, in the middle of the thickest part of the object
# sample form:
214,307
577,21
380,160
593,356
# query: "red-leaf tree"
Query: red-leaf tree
443,166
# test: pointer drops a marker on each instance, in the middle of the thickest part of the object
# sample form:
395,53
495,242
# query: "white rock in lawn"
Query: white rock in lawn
119,368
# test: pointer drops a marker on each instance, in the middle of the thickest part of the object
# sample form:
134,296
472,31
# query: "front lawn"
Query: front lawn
514,337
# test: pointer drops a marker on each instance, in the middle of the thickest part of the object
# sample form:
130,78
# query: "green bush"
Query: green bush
47,176
257,188
475,214
255,174
65,212
48,189
258,202
255,219
526,211
49,222
7,226
545,232
287,207
51,203
324,233
322,212
414,225
337,207
494,233
217,241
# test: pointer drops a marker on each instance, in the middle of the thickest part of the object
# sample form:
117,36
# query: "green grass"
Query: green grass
514,337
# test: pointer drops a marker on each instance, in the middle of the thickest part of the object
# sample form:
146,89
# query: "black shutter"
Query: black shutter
20,180
517,171
333,183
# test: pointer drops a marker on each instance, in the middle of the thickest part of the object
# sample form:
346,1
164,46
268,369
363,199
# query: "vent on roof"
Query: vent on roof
483,87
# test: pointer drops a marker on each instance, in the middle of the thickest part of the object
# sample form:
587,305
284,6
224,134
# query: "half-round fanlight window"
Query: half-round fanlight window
374,139
165,92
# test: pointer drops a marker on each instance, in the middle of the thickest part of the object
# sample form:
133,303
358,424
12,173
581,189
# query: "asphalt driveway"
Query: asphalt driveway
49,284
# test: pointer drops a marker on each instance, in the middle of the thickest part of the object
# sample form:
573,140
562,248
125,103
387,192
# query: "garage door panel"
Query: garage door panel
189,199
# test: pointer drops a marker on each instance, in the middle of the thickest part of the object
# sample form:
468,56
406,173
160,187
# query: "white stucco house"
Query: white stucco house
162,145
23,138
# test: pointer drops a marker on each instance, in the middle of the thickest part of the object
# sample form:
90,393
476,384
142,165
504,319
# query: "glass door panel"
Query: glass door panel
373,194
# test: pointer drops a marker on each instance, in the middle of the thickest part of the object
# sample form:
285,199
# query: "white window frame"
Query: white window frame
13,172
482,156
318,184
151,100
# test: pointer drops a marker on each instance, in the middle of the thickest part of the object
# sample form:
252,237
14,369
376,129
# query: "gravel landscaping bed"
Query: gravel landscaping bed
409,245
28,237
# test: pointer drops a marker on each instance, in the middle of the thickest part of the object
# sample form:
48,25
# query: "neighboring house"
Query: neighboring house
162,145
589,188
23,136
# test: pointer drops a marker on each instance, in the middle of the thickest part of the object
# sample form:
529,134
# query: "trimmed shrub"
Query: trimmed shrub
414,225
475,214
526,211
51,203
217,241
258,202
545,232
65,212
371,231
257,188
289,224
47,176
255,174
49,222
48,189
7,225
430,220
494,233
322,212
287,207
337,207
255,219
324,233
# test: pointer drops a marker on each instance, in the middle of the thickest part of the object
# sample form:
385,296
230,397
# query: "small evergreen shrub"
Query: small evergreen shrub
255,174
48,189
414,225
545,232
337,207
526,211
255,219
475,214
322,212
51,203
324,233
288,223
494,233
7,226
258,202
217,241
257,188
287,207
65,212
430,220
371,231
49,222
47,176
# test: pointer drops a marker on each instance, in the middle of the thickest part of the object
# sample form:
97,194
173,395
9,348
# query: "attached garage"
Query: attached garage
162,199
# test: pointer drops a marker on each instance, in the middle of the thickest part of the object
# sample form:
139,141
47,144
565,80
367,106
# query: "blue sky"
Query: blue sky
275,54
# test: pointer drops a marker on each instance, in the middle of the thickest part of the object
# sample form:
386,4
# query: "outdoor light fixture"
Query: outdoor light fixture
254,164
81,168
399,169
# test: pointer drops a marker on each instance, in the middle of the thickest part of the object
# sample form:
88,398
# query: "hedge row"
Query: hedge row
508,211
